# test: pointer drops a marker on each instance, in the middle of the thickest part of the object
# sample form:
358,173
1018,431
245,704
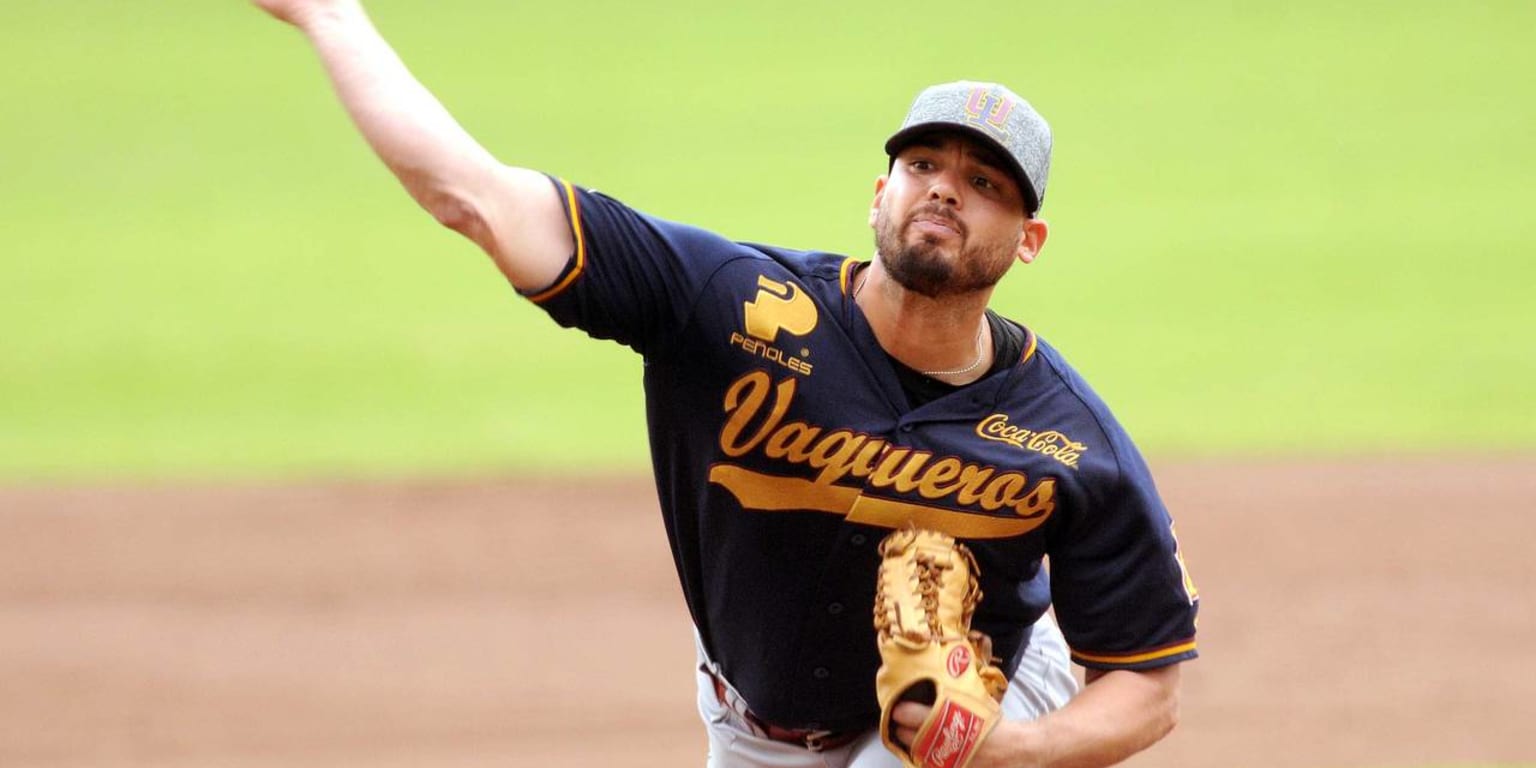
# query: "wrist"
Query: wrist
1021,744
322,18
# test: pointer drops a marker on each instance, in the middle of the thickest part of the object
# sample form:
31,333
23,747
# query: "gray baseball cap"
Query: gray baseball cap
989,112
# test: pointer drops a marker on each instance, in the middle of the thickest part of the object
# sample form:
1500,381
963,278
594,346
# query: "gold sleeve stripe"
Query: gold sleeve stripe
845,272
581,248
1029,346
1136,658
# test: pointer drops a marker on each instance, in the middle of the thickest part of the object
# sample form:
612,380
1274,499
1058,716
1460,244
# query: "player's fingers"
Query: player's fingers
910,714
908,717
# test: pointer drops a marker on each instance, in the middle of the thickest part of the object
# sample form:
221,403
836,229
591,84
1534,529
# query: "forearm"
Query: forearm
511,213
412,133
1115,716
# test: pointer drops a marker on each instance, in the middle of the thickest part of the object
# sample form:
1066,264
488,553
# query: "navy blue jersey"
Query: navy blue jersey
785,448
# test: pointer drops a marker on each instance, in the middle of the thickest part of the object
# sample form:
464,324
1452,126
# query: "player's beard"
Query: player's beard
923,267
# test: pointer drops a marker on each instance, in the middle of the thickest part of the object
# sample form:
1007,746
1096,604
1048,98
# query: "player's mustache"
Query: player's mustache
939,211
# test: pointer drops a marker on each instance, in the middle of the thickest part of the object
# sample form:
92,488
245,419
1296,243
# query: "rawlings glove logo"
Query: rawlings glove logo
950,742
959,660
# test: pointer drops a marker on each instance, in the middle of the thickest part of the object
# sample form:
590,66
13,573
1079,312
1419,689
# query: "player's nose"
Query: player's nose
945,190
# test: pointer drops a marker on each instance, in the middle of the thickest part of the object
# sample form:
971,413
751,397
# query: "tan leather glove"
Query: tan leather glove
924,600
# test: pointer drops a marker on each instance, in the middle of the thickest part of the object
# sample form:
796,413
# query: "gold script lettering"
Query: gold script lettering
742,401
755,408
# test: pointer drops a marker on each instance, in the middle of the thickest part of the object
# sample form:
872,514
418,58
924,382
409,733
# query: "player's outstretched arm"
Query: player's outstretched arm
1115,716
515,215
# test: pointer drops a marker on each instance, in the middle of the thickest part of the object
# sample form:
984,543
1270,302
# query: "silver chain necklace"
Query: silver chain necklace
957,371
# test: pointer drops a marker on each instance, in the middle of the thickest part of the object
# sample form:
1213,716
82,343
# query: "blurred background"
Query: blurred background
1300,227
239,368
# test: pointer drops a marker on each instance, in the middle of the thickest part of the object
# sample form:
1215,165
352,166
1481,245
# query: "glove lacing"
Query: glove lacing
929,573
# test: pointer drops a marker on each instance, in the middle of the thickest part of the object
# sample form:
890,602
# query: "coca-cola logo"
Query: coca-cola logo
959,661
1046,442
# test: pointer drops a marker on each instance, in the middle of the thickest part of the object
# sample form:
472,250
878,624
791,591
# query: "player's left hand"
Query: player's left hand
909,716
999,749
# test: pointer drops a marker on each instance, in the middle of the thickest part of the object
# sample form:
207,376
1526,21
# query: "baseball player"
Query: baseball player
801,405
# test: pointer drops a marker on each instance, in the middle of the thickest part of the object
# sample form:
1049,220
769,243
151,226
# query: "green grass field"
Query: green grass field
1278,229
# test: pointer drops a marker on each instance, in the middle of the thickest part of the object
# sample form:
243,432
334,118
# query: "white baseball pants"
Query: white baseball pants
1043,683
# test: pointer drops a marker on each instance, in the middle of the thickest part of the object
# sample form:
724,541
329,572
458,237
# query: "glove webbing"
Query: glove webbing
929,574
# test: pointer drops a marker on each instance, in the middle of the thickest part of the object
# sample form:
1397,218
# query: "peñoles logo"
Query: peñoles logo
1047,443
776,307
755,408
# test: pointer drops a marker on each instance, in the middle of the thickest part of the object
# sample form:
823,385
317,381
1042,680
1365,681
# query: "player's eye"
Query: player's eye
983,182
920,165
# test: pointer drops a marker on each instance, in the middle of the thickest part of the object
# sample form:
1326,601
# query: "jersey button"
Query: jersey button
906,427
857,539
835,608
821,673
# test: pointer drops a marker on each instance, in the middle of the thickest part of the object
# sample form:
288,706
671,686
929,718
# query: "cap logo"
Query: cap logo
989,112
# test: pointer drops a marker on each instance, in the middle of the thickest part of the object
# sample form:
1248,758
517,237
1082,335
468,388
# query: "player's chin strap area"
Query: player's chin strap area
813,740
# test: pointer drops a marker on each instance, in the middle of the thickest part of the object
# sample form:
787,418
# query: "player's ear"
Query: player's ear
1032,239
874,207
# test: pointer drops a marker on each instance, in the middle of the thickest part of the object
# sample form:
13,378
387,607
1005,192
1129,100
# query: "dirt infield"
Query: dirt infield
1370,613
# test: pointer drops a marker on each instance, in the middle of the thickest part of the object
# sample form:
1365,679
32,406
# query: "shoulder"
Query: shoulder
1066,414
822,275
1056,366
599,209
808,265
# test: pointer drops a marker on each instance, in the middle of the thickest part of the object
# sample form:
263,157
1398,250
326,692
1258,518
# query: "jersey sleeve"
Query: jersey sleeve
1121,591
633,278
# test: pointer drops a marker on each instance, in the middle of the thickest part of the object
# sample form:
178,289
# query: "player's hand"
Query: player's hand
999,749
300,12
909,716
